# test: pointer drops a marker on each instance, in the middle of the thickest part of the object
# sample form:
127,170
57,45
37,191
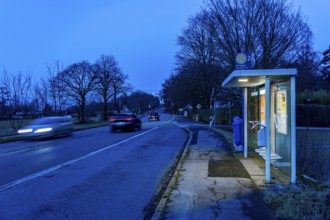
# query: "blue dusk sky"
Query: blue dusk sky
140,34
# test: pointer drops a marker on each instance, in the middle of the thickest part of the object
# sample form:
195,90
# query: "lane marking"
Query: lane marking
59,166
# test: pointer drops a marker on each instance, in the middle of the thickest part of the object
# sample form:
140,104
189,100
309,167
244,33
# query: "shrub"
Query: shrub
320,97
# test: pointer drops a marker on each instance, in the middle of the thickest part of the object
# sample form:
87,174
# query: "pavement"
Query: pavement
211,183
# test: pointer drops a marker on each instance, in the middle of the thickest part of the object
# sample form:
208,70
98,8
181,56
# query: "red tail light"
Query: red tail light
129,119
112,119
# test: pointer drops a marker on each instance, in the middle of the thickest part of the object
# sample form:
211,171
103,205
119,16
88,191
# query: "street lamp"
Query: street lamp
308,103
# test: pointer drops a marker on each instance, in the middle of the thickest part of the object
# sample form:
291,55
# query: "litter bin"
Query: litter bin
238,131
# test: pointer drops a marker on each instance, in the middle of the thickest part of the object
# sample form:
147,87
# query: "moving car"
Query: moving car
47,127
153,116
125,121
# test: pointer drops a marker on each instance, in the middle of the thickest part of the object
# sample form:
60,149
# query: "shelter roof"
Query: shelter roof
252,78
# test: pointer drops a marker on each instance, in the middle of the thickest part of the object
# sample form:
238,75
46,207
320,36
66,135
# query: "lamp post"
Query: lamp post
308,103
308,100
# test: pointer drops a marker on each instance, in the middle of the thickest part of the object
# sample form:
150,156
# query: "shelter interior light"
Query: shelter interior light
243,80
262,91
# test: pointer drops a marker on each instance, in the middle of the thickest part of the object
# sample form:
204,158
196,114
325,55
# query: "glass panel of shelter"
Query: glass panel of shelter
280,121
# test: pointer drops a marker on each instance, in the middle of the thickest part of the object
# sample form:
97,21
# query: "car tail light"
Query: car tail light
129,119
112,119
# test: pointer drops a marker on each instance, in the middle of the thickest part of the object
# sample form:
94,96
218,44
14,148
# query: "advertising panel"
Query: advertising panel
280,117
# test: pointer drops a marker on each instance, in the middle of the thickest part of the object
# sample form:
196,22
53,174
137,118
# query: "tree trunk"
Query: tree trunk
82,110
116,102
105,108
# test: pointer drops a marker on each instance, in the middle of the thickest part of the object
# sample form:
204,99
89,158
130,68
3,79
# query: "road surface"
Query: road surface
94,174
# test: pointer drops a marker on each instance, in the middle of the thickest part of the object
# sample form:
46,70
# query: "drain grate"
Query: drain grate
227,168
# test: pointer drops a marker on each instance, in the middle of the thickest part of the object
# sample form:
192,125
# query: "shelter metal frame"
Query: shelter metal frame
253,78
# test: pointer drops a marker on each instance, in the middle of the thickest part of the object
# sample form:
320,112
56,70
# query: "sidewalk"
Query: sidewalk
213,184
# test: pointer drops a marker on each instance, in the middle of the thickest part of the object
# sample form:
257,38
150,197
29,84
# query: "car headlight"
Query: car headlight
40,130
23,131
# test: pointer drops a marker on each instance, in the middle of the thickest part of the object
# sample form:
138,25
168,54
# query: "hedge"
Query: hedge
306,115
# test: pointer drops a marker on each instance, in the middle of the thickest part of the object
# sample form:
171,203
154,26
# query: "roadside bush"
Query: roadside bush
314,112
320,97
224,115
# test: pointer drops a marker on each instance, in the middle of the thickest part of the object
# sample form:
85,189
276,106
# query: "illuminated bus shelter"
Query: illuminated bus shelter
269,113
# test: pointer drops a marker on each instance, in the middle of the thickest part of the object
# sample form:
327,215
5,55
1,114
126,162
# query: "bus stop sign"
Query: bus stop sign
243,61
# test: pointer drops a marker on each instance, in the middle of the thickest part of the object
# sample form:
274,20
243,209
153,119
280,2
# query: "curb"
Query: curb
165,197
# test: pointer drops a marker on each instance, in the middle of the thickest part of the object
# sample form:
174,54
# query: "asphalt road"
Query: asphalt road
93,174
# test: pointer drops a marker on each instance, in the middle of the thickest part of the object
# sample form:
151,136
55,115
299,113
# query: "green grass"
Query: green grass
6,129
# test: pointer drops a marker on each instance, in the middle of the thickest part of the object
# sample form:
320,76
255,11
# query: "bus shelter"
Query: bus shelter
270,113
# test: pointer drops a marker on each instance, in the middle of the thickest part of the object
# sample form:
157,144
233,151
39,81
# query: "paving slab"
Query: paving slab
196,195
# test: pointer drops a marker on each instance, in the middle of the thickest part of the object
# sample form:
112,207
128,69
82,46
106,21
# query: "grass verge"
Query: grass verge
299,203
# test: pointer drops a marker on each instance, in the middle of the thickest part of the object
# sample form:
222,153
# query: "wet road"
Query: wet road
93,174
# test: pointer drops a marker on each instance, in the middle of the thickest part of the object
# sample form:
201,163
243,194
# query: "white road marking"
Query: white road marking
59,166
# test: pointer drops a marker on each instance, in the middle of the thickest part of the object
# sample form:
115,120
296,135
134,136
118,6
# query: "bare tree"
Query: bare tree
197,41
179,90
18,91
139,101
308,64
272,30
56,87
41,97
106,70
4,98
325,65
120,86
199,56
79,80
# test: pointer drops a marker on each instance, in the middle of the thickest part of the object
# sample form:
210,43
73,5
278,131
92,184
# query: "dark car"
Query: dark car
153,116
47,127
125,121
